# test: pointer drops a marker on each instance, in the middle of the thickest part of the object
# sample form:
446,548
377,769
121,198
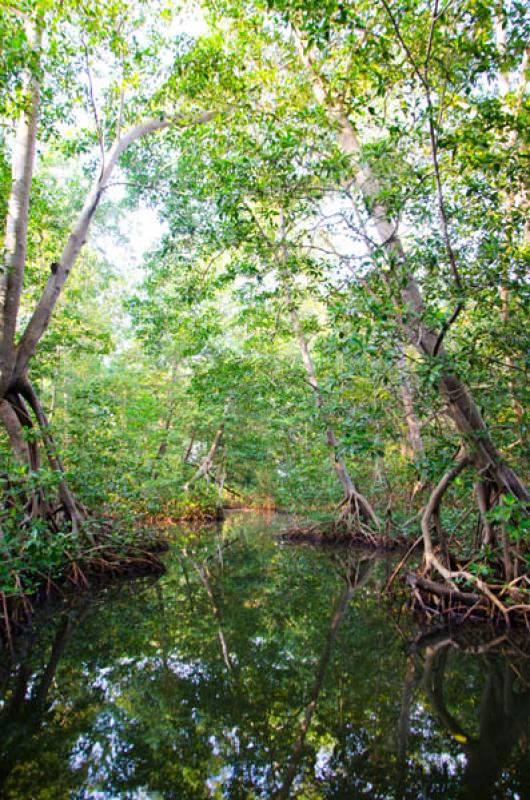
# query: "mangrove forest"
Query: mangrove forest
264,426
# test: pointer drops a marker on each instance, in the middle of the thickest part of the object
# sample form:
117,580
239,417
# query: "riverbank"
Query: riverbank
61,563
467,591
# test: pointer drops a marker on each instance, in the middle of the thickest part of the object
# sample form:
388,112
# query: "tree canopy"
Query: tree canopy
329,314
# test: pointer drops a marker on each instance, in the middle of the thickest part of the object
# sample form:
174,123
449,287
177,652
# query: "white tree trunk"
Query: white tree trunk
207,462
411,418
16,232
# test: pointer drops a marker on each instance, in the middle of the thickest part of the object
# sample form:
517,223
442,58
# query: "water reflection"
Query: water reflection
503,706
257,671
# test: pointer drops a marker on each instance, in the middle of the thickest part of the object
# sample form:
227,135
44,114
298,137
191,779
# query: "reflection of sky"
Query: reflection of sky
322,761
193,671
100,765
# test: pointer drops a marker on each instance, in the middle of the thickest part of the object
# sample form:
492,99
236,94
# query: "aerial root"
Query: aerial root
356,511
337,533
91,569
459,584
437,599
446,589
7,622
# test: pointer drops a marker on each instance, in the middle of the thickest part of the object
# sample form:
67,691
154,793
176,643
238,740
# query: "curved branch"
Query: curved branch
40,319
445,327
434,503
431,559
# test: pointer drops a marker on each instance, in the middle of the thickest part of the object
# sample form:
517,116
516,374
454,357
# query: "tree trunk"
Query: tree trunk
189,448
482,494
16,232
71,508
24,417
407,387
15,432
41,316
207,462
14,360
354,503
19,425
162,447
413,423
460,404
352,497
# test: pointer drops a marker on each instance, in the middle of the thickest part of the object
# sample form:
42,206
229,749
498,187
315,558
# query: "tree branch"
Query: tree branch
41,316
445,327
99,129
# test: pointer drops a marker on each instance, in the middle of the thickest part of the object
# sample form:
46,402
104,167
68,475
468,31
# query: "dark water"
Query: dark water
253,670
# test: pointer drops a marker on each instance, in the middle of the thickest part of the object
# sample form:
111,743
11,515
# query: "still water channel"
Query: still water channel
258,670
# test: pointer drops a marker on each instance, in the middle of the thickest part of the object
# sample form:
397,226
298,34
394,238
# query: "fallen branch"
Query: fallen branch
440,589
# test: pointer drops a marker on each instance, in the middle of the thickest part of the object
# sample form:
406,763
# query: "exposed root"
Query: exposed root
443,600
476,639
189,513
356,511
499,601
337,533
401,564
101,562
441,590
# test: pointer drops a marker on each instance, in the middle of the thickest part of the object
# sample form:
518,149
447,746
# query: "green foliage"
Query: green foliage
513,514
259,216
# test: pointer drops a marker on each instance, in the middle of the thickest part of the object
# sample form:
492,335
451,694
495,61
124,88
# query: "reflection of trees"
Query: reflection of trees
321,697
203,568
204,574
23,713
47,700
355,577
503,710
403,728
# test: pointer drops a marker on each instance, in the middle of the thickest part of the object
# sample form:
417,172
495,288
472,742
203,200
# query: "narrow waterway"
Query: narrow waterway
259,670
